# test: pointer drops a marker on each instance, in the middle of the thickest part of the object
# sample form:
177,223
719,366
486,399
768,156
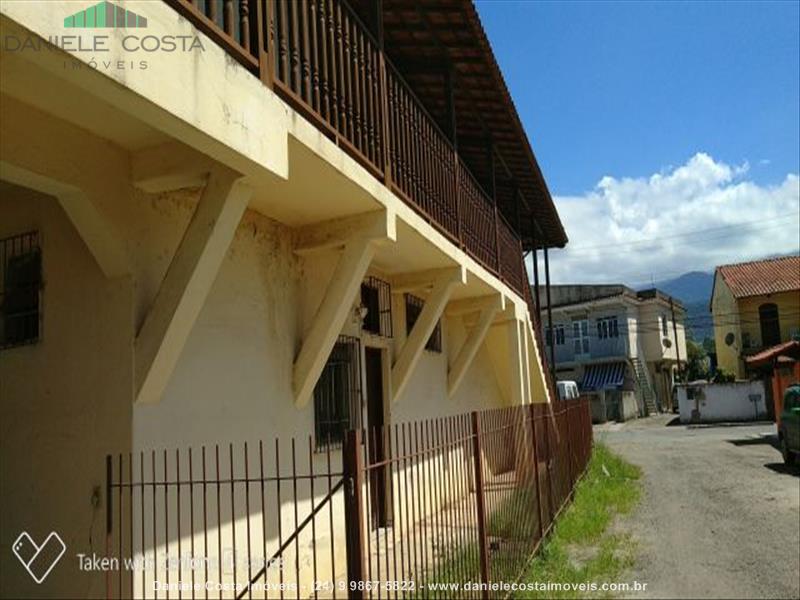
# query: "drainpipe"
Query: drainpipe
550,314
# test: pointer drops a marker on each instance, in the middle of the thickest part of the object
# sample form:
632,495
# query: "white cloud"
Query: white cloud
632,229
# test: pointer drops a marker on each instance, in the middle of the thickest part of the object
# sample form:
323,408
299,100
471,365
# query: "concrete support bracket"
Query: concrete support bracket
379,226
359,234
443,285
331,316
170,166
455,375
188,281
97,232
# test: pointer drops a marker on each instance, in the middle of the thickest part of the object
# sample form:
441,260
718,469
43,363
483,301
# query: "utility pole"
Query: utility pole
550,314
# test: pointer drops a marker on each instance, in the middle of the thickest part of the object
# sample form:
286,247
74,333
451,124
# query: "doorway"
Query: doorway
770,324
376,422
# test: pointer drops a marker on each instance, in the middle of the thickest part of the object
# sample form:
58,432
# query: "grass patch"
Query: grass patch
580,548
506,522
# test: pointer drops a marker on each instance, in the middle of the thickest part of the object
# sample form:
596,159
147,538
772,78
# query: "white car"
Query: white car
567,390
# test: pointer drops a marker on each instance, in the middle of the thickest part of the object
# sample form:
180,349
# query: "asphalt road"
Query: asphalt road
720,513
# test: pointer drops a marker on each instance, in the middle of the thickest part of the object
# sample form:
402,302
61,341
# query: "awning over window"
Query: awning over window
603,377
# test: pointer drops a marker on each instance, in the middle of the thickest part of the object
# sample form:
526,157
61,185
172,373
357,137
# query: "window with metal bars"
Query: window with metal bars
20,290
414,306
337,395
376,298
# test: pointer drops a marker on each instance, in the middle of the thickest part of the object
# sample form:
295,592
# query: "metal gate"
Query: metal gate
225,521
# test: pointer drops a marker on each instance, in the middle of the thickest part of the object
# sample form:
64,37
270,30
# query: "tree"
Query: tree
696,361
723,376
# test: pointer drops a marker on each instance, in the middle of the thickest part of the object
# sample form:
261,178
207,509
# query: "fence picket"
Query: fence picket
447,500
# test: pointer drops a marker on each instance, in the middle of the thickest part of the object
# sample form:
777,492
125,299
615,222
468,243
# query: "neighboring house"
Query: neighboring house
612,338
248,235
755,305
779,366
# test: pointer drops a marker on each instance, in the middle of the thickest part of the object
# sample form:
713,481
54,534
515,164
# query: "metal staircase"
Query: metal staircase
646,393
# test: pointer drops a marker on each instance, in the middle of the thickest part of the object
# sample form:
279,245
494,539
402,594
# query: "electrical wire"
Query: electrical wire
795,215
572,255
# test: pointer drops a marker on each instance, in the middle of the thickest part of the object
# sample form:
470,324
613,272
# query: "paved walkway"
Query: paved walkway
720,513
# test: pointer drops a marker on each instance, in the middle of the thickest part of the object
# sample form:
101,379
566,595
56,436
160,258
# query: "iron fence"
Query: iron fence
208,523
433,508
466,499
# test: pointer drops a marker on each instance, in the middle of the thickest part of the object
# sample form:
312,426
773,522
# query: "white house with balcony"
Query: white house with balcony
615,341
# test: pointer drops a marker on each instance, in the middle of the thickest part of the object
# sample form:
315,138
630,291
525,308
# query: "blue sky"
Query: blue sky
624,101
626,88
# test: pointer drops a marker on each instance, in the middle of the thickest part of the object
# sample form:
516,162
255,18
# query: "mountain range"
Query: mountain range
693,289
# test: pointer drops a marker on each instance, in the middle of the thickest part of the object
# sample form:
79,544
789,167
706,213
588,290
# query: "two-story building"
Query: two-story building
222,221
755,306
612,338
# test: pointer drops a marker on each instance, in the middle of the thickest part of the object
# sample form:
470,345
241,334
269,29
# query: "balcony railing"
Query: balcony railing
319,57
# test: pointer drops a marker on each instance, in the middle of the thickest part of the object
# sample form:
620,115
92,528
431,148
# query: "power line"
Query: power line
650,326
685,233
572,255
639,279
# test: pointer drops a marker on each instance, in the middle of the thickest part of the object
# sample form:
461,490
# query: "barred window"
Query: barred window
414,306
20,290
337,395
376,298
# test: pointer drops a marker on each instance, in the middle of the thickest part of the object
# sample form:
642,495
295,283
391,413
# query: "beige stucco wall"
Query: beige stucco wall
788,304
231,384
632,318
726,320
72,395
651,314
66,402
741,318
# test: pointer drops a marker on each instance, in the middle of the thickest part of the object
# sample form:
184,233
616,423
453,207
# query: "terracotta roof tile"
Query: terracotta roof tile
762,276
790,348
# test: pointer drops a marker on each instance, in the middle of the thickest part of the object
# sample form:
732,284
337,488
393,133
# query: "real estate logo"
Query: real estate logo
89,38
38,560
104,16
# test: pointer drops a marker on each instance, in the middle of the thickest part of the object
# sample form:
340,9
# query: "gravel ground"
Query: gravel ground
720,513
